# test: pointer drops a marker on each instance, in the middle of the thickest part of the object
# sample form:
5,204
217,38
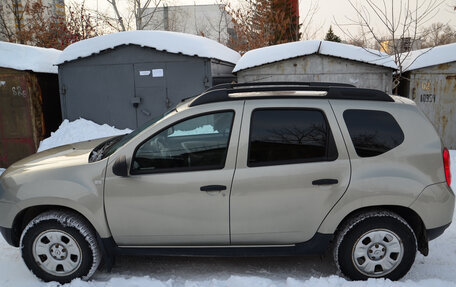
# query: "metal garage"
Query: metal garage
29,99
430,81
318,61
125,79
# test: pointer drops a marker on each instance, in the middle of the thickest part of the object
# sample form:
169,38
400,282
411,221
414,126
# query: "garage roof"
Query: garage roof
23,57
271,54
171,42
429,57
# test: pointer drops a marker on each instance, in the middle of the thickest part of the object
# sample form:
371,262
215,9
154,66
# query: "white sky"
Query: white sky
329,11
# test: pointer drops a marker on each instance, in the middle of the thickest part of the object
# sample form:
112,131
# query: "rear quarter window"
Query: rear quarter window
373,132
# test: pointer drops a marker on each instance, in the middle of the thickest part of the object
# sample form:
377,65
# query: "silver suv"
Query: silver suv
243,169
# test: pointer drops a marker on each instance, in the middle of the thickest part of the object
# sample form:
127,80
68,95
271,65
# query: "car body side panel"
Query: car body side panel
396,177
59,177
278,204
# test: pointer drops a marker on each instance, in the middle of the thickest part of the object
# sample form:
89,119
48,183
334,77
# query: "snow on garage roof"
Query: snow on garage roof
171,42
429,57
23,57
266,55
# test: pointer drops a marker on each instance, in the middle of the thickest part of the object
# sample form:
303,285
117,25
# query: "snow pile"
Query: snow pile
77,131
429,57
266,55
1,170
206,129
172,42
23,57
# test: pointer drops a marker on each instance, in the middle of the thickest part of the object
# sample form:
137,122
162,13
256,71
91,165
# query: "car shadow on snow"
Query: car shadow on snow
206,268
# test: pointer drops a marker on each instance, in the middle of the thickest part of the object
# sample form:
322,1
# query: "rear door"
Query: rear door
292,168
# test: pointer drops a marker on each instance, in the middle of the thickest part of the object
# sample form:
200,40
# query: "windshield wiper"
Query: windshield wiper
97,153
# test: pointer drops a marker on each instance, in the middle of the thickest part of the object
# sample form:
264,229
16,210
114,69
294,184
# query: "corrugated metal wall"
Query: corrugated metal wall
21,117
434,91
130,85
320,68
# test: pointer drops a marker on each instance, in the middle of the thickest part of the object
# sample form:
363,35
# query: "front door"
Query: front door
292,168
178,190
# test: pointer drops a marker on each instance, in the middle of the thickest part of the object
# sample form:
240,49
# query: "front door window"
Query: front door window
198,143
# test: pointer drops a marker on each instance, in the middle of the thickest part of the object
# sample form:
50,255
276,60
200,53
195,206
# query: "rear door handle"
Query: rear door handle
325,181
209,188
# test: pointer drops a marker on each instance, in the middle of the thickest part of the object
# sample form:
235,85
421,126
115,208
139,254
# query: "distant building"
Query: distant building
402,45
55,8
211,21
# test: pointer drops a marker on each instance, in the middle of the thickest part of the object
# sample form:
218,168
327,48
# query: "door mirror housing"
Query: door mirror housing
120,167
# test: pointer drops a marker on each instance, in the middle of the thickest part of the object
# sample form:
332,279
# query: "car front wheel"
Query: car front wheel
60,246
377,244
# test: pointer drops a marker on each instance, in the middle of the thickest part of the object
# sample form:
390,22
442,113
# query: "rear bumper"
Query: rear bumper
435,206
436,232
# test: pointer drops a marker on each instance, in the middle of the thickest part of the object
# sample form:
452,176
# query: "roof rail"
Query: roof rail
264,84
283,91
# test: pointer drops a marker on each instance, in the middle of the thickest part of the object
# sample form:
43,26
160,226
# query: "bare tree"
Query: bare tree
220,27
137,15
119,18
12,19
393,25
358,40
438,34
309,28
143,12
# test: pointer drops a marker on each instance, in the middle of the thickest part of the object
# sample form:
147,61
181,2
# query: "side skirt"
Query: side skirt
317,245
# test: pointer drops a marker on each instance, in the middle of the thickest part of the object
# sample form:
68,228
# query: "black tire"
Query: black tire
375,239
55,240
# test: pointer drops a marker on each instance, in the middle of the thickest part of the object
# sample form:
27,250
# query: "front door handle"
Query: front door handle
325,181
209,188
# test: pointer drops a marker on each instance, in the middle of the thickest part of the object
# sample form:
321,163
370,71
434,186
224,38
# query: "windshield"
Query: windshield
109,146
131,135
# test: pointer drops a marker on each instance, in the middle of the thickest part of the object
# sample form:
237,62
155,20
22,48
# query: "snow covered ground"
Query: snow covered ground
436,270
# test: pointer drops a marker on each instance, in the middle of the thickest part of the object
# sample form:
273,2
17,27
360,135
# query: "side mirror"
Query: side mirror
170,131
120,167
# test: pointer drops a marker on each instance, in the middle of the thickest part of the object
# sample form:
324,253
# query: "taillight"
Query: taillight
446,165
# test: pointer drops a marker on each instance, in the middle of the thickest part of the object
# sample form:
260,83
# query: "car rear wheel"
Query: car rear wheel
60,246
377,244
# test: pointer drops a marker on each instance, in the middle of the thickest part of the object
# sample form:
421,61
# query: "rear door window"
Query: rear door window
287,136
373,132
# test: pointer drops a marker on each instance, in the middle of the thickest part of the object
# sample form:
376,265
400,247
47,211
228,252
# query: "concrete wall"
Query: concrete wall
434,91
319,68
105,87
211,21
